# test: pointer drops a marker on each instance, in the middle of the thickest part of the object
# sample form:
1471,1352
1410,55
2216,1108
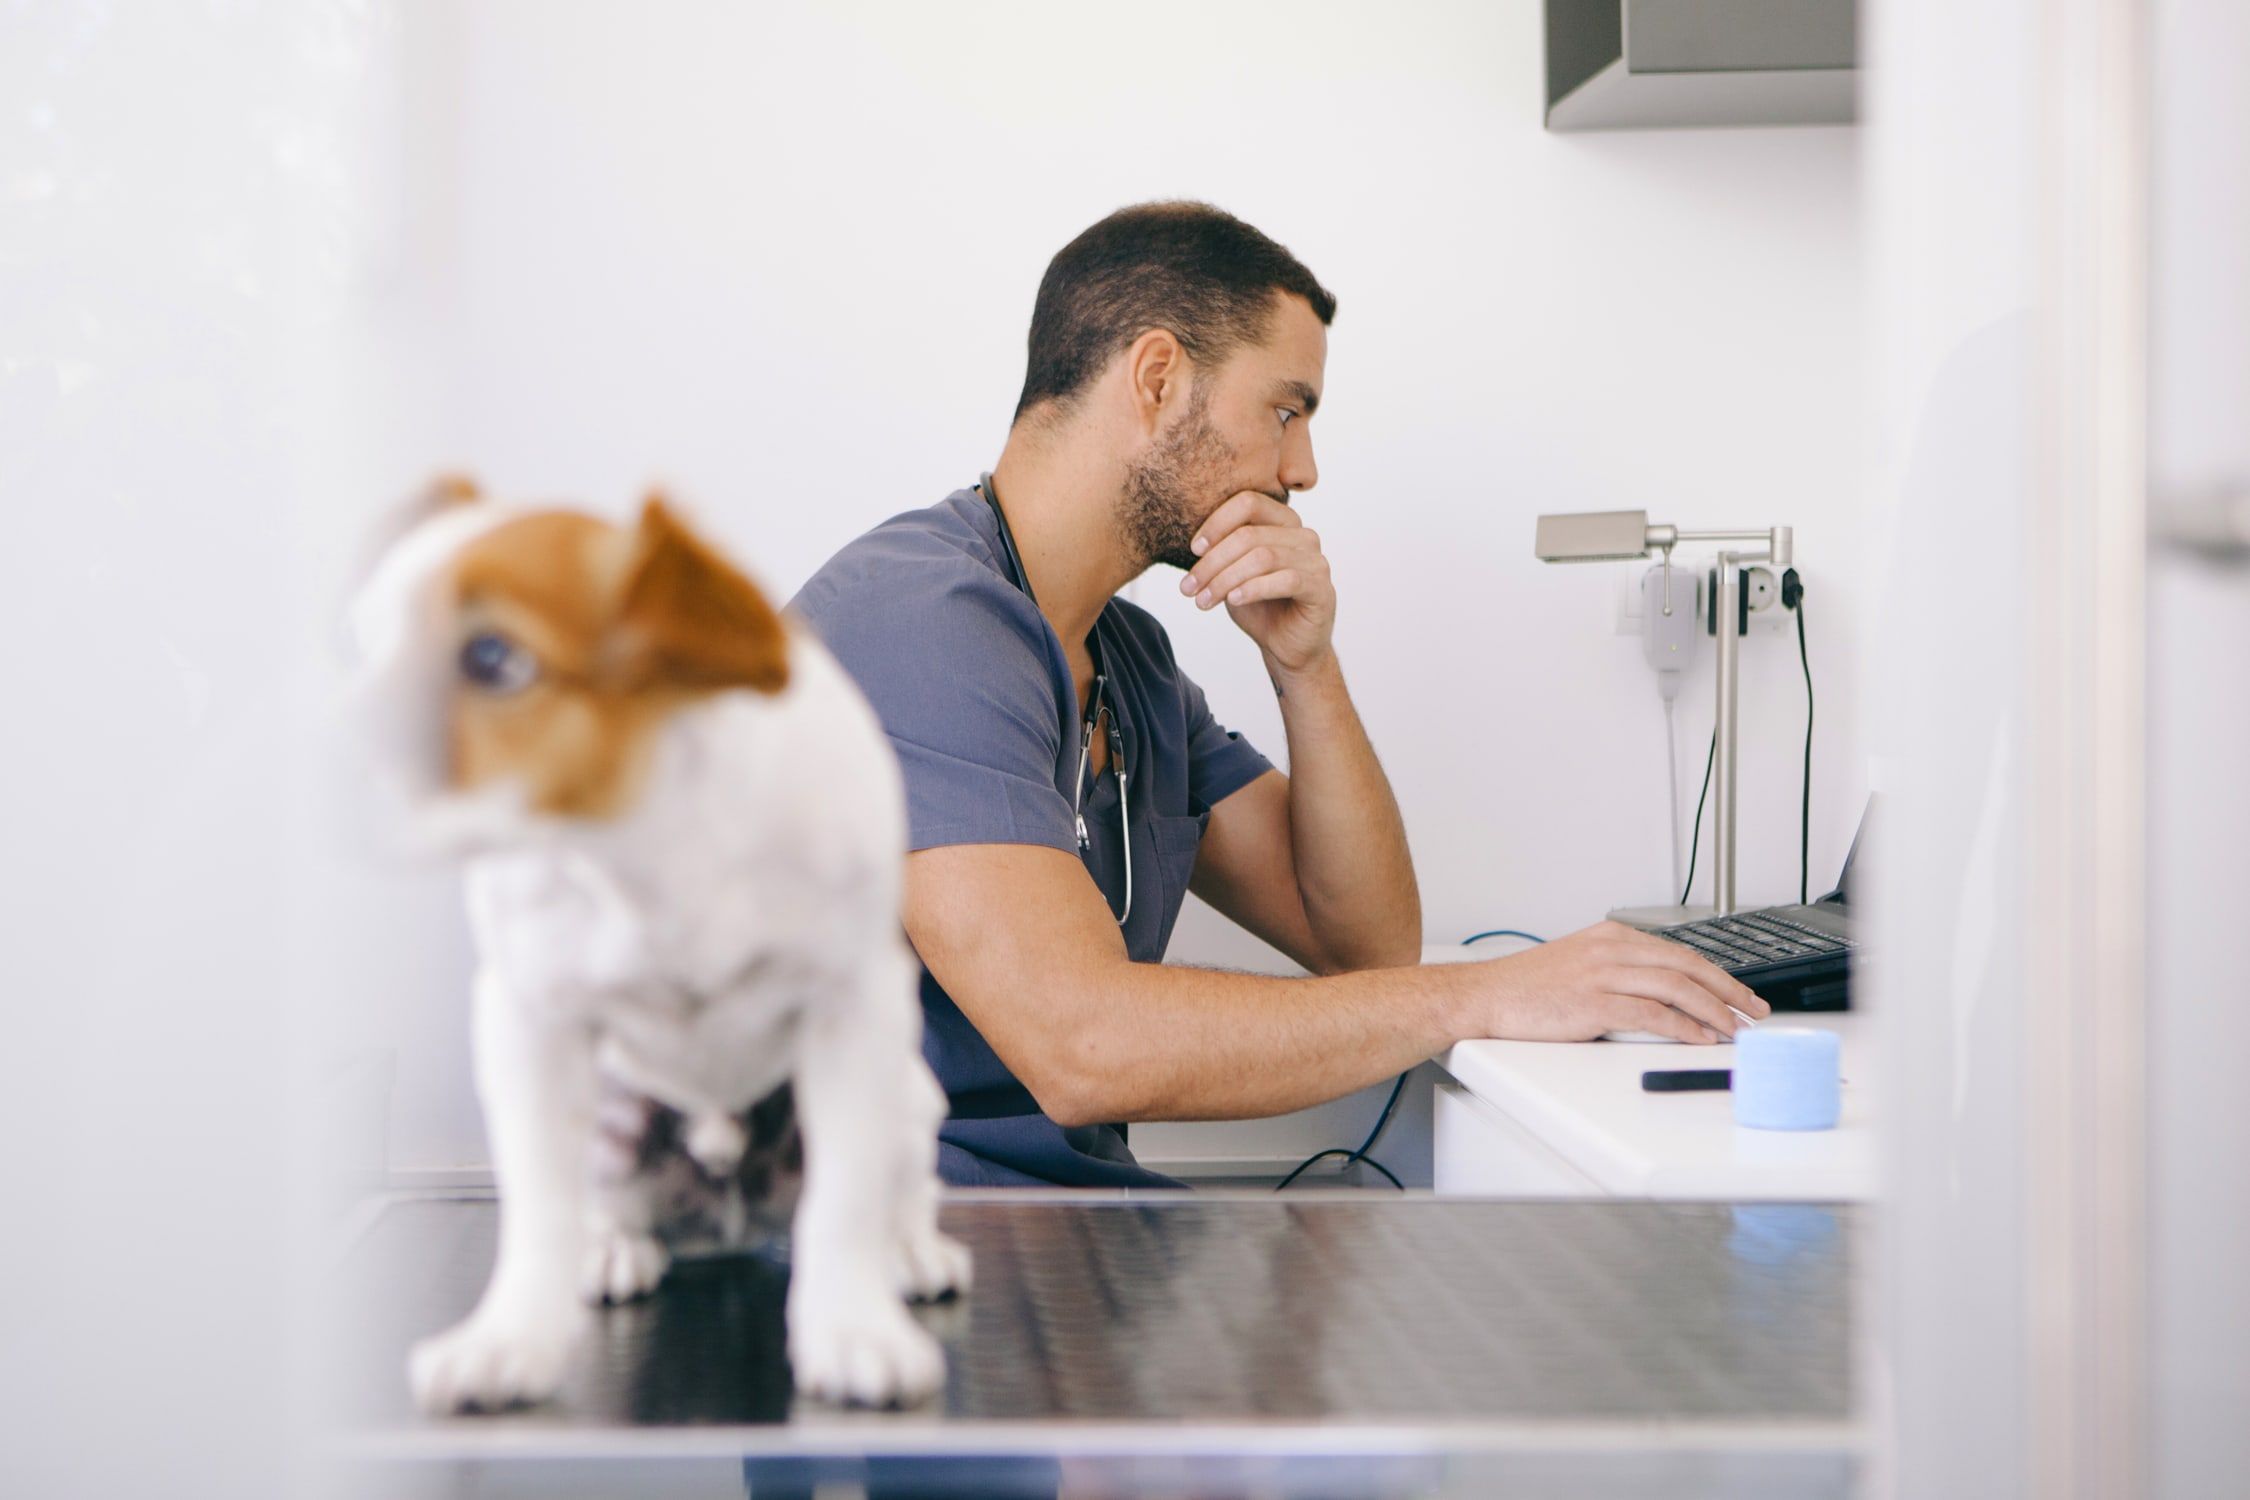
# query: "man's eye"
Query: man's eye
1286,414
496,664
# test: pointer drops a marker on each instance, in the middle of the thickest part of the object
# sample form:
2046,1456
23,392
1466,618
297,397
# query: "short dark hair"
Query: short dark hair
1196,271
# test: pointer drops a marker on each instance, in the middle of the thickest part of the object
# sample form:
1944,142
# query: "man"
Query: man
1068,785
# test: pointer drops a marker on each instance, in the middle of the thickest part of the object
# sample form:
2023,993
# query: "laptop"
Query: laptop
1794,957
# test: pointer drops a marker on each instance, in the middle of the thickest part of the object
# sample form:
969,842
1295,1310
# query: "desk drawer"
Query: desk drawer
1479,1152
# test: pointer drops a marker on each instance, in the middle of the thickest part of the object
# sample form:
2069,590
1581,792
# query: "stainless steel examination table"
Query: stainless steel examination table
1348,1344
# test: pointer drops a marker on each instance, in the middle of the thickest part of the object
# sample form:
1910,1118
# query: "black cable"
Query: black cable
1317,1156
1791,584
1383,1120
1359,1152
1349,1156
1695,842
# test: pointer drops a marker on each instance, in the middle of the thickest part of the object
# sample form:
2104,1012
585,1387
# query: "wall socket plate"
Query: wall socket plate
1763,588
1767,617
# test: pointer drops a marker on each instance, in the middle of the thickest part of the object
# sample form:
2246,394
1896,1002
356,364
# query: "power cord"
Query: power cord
1697,842
1382,1121
1793,597
1355,1154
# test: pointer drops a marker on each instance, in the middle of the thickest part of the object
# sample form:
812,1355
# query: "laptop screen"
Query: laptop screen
1842,895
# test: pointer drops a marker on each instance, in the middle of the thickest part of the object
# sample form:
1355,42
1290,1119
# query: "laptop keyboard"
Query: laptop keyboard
1754,937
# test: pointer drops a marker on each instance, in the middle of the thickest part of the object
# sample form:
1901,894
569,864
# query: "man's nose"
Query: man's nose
1298,471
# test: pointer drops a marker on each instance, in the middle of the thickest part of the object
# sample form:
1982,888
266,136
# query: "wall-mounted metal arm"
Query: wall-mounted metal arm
1781,542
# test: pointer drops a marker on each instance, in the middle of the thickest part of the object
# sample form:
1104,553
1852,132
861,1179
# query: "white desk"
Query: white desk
1547,1119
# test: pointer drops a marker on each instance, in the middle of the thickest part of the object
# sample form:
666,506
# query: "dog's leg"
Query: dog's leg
535,1079
624,1258
621,1263
850,1337
930,1266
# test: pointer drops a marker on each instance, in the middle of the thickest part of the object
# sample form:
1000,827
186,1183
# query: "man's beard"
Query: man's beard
1170,490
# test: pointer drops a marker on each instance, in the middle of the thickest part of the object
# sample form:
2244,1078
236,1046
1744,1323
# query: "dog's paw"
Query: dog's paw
622,1266
932,1266
490,1364
862,1351
717,1142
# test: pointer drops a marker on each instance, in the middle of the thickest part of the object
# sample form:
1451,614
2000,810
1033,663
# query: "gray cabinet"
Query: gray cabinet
1650,64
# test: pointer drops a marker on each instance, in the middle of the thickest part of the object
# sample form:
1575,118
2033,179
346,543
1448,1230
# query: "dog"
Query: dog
695,1012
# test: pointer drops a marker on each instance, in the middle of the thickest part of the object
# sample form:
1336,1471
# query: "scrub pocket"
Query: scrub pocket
1176,840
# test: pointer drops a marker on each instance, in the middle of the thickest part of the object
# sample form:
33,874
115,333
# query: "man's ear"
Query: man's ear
688,619
1156,368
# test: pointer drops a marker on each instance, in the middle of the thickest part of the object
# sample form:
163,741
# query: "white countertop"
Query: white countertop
1584,1101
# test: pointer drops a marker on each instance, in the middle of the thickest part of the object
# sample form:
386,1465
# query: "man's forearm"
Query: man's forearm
1347,839
1176,1043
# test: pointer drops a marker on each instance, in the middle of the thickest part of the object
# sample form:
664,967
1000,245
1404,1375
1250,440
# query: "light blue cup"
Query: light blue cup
1787,1078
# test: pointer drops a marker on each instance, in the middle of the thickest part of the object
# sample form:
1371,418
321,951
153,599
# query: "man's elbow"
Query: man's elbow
1402,950
1070,1111
1353,933
1072,1085
1396,945
1402,940
1071,1101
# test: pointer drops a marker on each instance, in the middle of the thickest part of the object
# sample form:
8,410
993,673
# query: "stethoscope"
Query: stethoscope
1097,709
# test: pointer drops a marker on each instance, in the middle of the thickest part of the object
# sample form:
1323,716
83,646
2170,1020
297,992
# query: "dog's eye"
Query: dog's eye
498,665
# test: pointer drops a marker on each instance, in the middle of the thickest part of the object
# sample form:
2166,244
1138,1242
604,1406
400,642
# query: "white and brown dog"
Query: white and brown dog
685,836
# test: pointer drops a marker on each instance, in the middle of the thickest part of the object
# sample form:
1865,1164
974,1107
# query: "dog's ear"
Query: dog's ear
443,493
448,490
687,618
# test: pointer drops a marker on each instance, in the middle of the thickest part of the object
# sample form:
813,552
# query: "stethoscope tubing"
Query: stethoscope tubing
1096,706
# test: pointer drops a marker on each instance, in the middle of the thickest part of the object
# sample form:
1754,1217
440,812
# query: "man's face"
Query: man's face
1244,427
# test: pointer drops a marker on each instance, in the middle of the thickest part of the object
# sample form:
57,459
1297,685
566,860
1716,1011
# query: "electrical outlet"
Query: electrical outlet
1762,587
1763,591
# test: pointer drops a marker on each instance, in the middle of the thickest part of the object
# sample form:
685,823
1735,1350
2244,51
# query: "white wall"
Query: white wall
783,258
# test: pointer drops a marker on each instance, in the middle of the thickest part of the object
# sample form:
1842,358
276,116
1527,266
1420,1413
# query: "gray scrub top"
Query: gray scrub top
975,692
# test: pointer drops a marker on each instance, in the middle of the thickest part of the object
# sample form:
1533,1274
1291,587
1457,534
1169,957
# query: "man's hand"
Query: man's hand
1259,558
1609,978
